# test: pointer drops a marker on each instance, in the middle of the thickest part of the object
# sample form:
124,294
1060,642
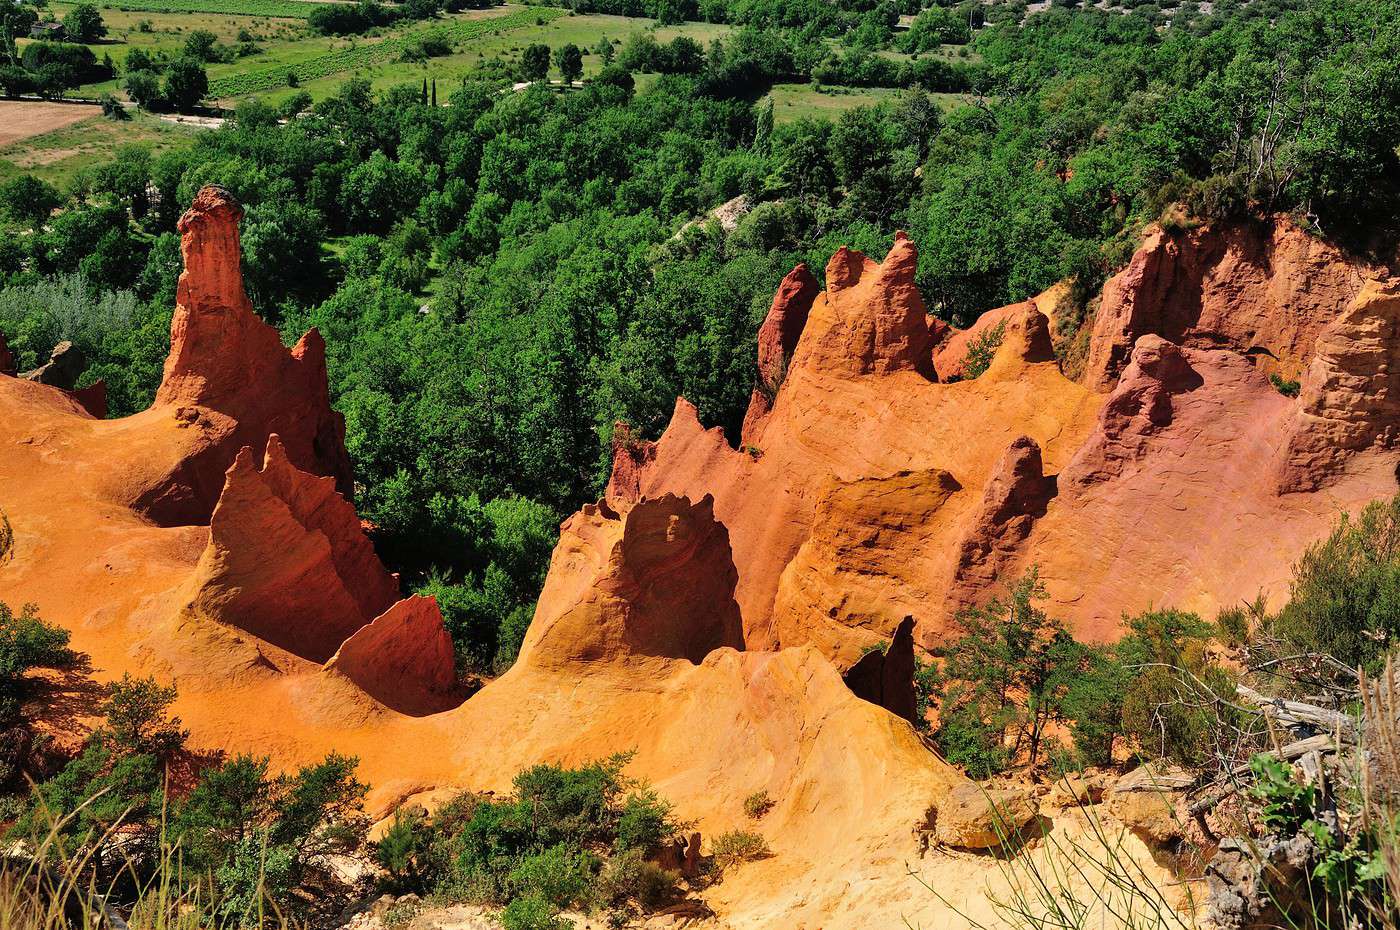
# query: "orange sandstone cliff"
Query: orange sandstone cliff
702,613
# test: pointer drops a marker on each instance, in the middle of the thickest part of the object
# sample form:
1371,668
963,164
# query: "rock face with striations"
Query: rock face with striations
287,559
1263,288
219,349
1350,397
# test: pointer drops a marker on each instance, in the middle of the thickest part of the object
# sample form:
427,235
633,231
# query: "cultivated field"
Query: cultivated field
21,119
60,153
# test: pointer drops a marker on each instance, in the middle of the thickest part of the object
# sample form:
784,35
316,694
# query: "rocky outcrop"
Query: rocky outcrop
228,379
631,455
973,816
777,340
1148,801
861,571
287,559
7,358
1140,407
1350,397
656,581
404,659
65,366
1021,326
1254,884
1266,289
871,318
1017,494
887,678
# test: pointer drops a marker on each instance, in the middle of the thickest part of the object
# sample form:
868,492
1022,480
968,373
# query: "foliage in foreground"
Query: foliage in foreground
566,838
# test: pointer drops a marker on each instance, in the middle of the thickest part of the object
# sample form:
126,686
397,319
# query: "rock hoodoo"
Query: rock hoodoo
287,559
1018,493
887,678
870,319
777,340
228,380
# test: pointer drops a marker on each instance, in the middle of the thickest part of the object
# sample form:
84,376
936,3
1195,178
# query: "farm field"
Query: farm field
582,30
59,153
21,119
156,32
341,58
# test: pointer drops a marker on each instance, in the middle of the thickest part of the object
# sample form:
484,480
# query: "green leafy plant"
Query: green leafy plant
736,846
981,349
1285,387
757,804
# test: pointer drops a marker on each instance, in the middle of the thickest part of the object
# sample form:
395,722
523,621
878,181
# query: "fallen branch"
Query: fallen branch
1298,714
1228,784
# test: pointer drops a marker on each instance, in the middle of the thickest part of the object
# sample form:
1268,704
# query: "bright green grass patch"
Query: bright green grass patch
288,9
368,54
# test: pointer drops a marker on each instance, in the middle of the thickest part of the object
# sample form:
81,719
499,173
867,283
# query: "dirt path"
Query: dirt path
20,119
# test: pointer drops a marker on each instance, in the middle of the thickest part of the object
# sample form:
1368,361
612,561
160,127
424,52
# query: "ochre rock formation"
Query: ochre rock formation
1263,288
777,340
655,581
229,382
871,491
287,560
1350,393
699,615
1017,494
7,358
859,573
870,319
1025,323
403,658
887,678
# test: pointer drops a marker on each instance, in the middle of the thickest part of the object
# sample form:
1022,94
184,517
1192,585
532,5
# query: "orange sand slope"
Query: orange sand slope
204,540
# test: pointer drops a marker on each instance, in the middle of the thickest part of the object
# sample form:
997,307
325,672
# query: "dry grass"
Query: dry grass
1380,779
50,886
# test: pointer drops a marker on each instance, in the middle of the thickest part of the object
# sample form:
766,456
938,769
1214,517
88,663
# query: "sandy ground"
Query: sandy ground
20,119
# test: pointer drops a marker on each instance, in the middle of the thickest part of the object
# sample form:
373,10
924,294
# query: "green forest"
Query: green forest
502,273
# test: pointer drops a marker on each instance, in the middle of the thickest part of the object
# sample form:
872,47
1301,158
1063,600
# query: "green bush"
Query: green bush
982,349
561,875
736,846
532,913
757,804
1346,590
629,878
